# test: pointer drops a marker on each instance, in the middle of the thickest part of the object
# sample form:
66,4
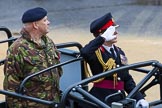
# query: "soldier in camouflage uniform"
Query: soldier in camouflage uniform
32,52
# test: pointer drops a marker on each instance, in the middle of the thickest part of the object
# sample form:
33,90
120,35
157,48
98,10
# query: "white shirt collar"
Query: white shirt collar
108,48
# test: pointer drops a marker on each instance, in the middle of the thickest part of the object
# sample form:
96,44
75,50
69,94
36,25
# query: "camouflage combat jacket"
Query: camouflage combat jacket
24,58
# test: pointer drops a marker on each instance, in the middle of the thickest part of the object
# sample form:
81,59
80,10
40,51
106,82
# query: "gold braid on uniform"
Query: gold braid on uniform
87,72
110,64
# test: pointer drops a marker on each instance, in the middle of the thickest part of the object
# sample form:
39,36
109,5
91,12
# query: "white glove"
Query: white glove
109,33
142,104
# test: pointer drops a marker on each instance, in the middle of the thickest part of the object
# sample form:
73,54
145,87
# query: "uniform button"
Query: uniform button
119,78
117,65
119,91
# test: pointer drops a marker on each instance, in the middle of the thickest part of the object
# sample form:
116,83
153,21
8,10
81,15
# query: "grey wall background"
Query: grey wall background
134,18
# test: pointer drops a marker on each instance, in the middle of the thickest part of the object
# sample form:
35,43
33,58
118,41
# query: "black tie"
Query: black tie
112,53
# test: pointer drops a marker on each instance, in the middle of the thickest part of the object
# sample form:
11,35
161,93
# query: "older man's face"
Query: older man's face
43,25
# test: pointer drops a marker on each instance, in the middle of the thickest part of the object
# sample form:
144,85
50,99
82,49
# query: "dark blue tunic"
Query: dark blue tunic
88,53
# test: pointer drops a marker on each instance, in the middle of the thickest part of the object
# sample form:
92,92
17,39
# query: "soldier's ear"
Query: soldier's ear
35,25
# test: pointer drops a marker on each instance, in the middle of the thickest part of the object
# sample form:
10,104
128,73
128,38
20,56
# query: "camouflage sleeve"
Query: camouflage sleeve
12,70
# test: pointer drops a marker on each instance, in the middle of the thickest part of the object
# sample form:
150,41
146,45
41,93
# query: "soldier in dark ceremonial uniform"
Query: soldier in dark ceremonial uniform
102,54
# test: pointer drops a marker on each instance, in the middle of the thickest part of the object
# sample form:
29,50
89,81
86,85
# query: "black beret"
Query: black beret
34,14
100,22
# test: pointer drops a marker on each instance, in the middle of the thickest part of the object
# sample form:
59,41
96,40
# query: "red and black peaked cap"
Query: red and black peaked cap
102,23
